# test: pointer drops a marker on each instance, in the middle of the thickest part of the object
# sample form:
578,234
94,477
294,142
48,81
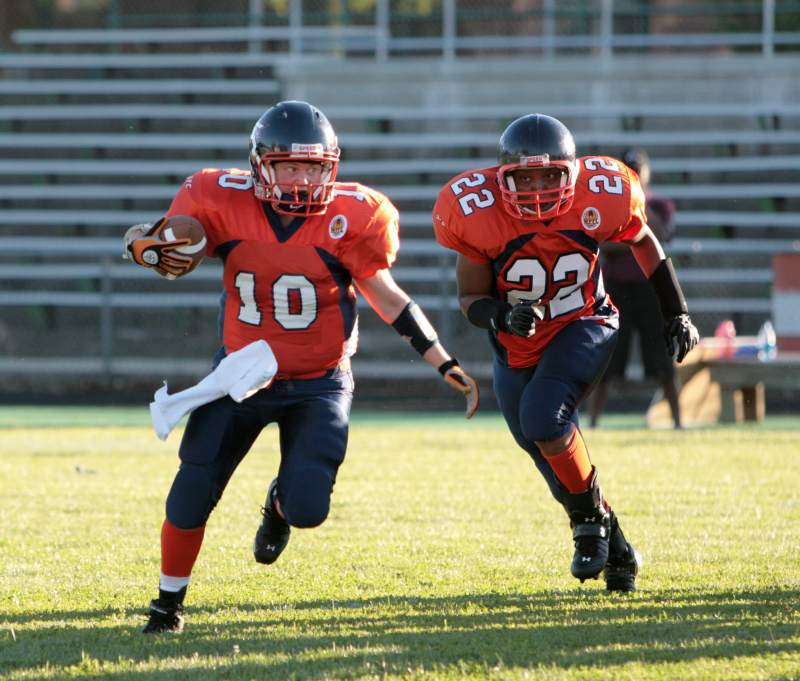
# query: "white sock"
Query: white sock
174,584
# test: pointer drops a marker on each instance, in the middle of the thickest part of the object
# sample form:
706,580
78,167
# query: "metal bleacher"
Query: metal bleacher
85,155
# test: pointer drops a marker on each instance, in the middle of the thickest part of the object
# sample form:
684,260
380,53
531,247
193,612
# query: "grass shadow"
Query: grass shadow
347,639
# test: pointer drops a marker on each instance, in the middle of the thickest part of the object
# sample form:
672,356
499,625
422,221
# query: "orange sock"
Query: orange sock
179,549
572,466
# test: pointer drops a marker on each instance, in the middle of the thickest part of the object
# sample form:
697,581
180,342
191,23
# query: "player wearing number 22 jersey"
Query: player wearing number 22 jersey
527,233
554,264
296,244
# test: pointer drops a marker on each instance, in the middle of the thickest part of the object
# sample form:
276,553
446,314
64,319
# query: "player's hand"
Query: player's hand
457,378
681,336
135,232
143,245
521,318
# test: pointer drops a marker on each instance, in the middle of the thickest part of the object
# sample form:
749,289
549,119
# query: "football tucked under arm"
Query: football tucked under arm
173,246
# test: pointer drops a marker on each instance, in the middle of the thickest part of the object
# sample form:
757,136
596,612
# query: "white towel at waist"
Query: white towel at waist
240,375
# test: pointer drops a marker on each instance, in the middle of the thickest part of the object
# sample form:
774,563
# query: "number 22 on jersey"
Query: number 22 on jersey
472,200
570,273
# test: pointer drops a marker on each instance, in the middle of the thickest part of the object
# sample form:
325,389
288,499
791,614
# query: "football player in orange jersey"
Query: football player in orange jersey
527,233
295,244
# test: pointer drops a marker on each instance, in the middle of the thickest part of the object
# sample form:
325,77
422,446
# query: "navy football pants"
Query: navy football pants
312,417
540,402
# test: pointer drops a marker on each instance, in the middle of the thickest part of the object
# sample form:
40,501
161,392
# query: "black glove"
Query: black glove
681,336
521,319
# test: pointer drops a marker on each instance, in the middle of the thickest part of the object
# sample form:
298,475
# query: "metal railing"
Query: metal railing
596,26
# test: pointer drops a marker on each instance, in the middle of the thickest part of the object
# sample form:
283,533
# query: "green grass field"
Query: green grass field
444,558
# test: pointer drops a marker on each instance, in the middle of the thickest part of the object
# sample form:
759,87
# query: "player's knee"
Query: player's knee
545,421
192,497
306,497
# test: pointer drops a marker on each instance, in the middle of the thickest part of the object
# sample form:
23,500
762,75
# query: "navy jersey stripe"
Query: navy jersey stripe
343,279
223,250
583,239
223,299
511,247
282,234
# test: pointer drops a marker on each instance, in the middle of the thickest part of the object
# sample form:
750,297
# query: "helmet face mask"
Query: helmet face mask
294,131
544,202
539,144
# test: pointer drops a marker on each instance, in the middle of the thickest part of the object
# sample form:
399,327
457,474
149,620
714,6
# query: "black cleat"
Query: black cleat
273,534
164,618
590,520
591,546
620,571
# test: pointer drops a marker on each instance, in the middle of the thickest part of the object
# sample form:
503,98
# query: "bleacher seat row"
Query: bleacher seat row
106,146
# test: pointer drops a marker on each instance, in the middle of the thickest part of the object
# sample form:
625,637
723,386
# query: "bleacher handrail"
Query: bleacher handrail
219,34
449,114
377,36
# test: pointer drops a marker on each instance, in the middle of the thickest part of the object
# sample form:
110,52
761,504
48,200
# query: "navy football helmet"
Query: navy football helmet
537,141
294,131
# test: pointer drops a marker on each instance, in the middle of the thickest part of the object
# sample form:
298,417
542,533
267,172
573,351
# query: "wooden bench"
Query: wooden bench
742,383
720,389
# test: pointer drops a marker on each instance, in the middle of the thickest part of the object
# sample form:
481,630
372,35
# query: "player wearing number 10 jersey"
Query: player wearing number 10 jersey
527,233
295,244
291,285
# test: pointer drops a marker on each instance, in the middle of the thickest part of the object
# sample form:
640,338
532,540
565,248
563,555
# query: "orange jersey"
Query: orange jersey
292,287
554,263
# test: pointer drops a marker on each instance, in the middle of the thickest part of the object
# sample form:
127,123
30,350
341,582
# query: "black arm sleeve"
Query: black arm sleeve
413,326
665,284
488,313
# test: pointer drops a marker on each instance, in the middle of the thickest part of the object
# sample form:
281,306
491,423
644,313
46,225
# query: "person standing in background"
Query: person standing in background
637,302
